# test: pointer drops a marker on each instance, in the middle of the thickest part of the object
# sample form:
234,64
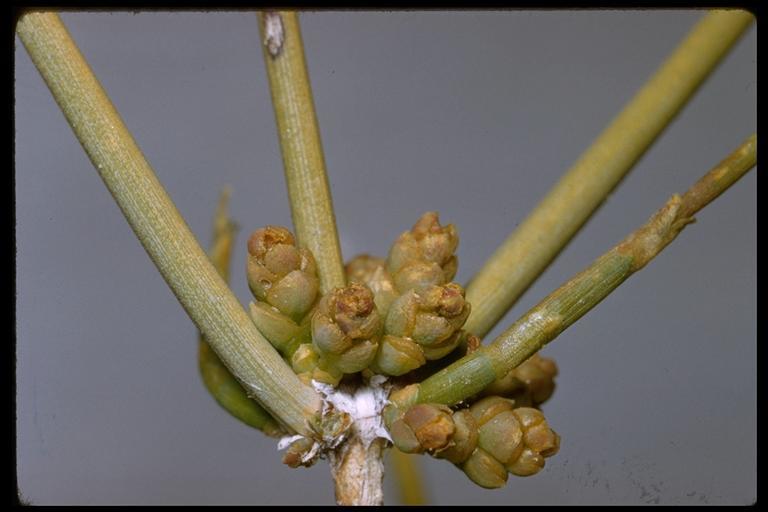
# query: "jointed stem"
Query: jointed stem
563,307
308,189
159,225
557,218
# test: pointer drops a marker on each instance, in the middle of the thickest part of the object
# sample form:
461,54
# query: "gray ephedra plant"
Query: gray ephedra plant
342,360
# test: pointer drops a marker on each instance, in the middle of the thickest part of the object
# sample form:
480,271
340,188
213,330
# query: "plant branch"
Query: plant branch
221,384
159,225
542,235
297,128
571,301
358,471
410,483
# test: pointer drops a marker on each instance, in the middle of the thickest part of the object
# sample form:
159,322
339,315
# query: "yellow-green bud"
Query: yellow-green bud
431,316
486,441
528,463
346,328
280,273
275,326
371,271
464,439
360,268
397,356
530,384
442,349
432,424
483,469
424,255
305,359
537,434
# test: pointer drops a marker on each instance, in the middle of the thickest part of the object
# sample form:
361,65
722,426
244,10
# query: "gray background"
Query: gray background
472,114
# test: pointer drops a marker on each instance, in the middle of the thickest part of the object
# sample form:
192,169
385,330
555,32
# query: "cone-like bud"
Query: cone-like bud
275,326
499,432
486,441
483,469
309,365
372,272
536,432
424,427
431,316
397,356
280,273
532,383
346,328
464,439
424,255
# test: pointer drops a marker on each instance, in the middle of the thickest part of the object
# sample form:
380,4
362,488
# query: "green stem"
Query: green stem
159,225
221,384
542,235
297,128
560,309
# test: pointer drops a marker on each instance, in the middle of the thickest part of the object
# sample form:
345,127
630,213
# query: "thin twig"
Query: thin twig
159,225
297,128
219,382
410,484
543,234
563,307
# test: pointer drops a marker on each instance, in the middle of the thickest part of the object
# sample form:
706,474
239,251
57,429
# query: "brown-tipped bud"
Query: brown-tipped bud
431,424
372,272
530,384
502,437
404,438
537,434
516,437
485,470
522,448
464,439
399,401
397,356
538,374
299,453
424,255
485,409
281,274
430,316
442,349
361,268
346,328
528,463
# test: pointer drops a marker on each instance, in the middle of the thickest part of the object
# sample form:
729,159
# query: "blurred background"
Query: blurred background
472,114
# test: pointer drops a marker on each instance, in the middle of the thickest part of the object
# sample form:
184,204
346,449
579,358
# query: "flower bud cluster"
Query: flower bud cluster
488,440
423,311
283,279
346,329
424,255
394,316
530,384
